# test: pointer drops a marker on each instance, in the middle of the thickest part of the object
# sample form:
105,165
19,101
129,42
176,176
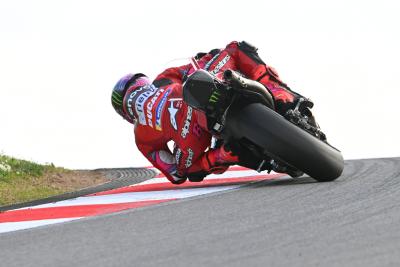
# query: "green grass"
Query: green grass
22,180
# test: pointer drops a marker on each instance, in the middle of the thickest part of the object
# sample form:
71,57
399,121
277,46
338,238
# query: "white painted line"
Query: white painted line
14,226
137,196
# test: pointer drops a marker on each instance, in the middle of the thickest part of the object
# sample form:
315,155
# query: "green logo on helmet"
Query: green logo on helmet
116,98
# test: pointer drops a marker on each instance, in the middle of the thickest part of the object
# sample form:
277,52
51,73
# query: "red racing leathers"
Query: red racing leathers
163,116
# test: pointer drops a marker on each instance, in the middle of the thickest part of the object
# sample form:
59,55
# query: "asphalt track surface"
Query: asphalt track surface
354,221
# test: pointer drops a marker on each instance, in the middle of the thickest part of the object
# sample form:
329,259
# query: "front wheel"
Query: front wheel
285,141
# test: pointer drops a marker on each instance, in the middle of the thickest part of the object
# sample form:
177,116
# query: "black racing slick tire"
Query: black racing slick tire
285,141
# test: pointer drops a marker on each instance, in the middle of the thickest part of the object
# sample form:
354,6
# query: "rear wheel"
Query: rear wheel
286,142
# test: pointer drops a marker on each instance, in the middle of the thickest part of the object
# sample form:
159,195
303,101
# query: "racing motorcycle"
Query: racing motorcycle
241,113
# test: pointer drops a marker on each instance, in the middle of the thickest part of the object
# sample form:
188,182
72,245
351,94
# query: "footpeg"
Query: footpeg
277,167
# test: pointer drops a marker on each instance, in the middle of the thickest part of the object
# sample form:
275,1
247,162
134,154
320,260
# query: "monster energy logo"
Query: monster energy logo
214,97
116,98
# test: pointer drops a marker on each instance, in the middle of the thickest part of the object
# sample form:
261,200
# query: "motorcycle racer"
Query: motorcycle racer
159,114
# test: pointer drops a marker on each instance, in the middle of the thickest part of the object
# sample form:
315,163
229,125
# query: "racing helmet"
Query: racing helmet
125,87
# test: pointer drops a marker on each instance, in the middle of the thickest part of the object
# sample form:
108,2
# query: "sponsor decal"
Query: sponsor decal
186,125
197,131
211,62
189,159
141,100
220,65
130,100
150,107
159,109
214,97
172,112
178,155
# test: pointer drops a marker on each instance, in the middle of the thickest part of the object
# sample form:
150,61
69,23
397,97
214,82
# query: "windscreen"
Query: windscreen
198,88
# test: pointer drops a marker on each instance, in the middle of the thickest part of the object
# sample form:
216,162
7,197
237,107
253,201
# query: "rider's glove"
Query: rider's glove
218,160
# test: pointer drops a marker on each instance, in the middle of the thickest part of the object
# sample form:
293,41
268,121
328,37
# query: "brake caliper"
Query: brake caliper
301,116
